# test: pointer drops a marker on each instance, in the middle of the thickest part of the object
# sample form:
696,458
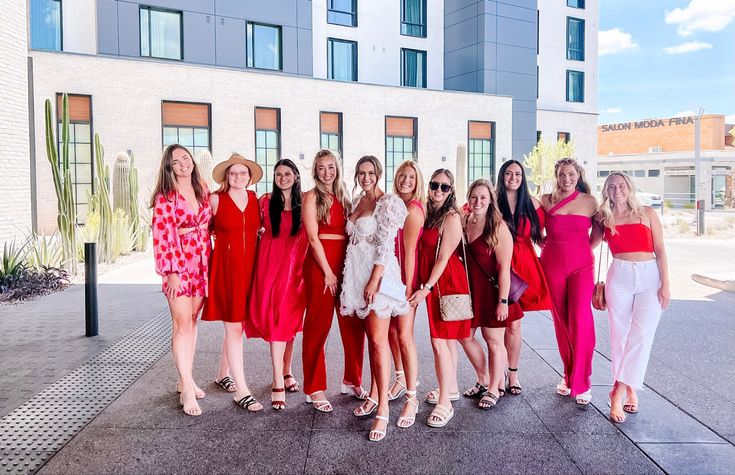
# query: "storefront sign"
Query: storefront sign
648,124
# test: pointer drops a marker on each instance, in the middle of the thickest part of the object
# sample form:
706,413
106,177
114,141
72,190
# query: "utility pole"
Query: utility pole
698,202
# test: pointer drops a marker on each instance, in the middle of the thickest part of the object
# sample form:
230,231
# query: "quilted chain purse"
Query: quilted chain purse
454,307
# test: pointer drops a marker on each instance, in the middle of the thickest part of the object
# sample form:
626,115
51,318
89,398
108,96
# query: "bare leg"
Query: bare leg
278,351
513,344
233,349
476,355
617,395
377,333
395,350
184,311
445,369
496,362
404,324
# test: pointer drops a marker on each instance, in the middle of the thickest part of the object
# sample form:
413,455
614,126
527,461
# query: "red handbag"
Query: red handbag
598,296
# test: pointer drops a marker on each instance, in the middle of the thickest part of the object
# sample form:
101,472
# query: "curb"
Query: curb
727,285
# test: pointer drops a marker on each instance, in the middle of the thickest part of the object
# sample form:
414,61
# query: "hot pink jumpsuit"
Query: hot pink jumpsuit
568,263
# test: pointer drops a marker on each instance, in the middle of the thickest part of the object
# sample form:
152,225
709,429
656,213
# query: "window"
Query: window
575,39
413,68
575,3
639,173
575,86
654,173
45,17
400,144
80,149
538,136
413,18
603,173
342,12
267,144
481,151
160,33
330,131
264,46
341,60
563,136
188,124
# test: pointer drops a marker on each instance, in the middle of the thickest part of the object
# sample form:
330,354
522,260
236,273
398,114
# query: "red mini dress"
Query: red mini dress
481,265
527,265
452,281
278,296
401,251
235,234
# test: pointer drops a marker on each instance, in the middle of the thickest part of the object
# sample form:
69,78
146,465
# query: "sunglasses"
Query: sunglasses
433,186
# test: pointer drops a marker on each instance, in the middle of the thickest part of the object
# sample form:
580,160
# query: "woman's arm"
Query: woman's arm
451,236
166,248
214,202
504,255
664,294
411,229
311,225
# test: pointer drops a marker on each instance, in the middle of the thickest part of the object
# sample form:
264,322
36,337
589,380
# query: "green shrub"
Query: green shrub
45,251
13,261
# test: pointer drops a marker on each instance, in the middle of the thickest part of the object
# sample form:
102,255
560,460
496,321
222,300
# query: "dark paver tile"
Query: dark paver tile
606,454
693,458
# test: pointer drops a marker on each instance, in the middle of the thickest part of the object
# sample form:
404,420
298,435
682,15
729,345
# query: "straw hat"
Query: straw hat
256,172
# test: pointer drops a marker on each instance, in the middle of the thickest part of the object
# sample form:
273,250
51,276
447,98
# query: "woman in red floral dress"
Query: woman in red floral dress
181,247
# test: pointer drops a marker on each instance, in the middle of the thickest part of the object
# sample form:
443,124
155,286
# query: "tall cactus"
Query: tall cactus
102,182
121,198
204,162
134,212
66,208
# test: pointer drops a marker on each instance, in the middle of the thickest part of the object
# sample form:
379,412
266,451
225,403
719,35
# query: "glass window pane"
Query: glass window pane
165,33
45,19
334,142
186,137
145,49
201,137
260,138
342,60
271,156
260,156
324,141
264,46
83,153
170,135
398,145
84,173
271,139
249,44
82,133
408,145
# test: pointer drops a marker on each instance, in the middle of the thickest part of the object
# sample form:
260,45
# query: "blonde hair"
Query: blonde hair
493,218
418,191
581,186
323,198
377,166
606,209
224,187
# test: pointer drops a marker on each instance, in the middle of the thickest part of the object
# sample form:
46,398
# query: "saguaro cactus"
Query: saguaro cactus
204,162
66,208
103,192
121,198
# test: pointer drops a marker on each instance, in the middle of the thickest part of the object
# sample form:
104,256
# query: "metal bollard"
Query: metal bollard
91,315
700,217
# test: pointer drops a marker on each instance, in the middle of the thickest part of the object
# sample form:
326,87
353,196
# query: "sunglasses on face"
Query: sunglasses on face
433,186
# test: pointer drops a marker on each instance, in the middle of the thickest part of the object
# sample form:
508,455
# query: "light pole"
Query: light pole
698,205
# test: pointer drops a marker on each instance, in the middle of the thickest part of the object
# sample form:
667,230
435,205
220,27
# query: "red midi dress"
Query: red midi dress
481,265
235,234
278,297
527,265
452,281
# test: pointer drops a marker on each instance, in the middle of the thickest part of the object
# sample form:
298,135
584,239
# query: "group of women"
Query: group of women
284,263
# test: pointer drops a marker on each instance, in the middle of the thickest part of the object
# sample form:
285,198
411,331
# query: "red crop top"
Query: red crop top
337,219
632,237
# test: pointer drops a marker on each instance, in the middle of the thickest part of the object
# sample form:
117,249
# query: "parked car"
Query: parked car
649,199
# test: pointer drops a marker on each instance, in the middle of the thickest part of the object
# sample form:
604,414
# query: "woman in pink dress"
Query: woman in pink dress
569,267
278,298
181,247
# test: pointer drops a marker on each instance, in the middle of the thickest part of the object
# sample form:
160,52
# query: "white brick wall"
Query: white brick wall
15,213
127,95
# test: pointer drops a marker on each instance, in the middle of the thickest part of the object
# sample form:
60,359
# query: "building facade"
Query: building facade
659,154
452,84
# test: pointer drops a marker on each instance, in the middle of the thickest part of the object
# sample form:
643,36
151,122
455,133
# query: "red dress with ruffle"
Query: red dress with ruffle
527,265
278,296
401,251
235,234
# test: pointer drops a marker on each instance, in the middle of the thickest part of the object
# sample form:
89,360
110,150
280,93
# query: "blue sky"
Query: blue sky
662,58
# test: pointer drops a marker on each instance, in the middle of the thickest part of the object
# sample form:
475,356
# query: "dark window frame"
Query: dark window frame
415,145
492,151
576,54
91,147
565,136
653,173
267,180
330,60
403,67
353,14
571,72
150,8
247,45
339,135
405,25
576,4
209,121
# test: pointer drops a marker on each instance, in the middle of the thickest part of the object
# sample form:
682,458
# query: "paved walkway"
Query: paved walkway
686,424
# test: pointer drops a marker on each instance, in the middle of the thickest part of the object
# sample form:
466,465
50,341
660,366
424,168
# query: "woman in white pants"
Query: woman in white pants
636,290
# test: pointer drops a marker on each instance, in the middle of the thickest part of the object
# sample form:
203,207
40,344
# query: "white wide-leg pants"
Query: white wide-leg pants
633,310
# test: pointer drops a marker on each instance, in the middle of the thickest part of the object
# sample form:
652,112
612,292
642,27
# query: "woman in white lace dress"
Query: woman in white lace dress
371,266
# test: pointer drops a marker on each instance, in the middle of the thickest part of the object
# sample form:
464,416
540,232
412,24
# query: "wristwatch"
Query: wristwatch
427,286
505,301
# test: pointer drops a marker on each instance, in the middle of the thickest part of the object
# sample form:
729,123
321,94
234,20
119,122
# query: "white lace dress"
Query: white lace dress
372,241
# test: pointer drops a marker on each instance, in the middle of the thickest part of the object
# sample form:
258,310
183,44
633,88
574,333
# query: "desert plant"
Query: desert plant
124,235
89,232
67,216
31,282
13,260
540,163
121,183
103,194
45,251
205,164
683,225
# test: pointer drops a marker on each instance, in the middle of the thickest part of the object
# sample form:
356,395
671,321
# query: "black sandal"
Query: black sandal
514,390
246,402
227,384
475,391
488,401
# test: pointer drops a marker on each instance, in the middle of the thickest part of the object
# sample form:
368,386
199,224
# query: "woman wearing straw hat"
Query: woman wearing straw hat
236,220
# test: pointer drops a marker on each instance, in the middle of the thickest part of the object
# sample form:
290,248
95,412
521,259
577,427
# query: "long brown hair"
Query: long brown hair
493,218
166,182
323,198
373,160
434,215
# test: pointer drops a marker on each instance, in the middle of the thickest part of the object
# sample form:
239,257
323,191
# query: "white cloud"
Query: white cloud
686,113
612,110
614,41
730,119
687,47
704,15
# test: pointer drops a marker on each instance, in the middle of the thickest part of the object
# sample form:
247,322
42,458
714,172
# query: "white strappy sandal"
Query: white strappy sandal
360,410
405,422
393,397
380,433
